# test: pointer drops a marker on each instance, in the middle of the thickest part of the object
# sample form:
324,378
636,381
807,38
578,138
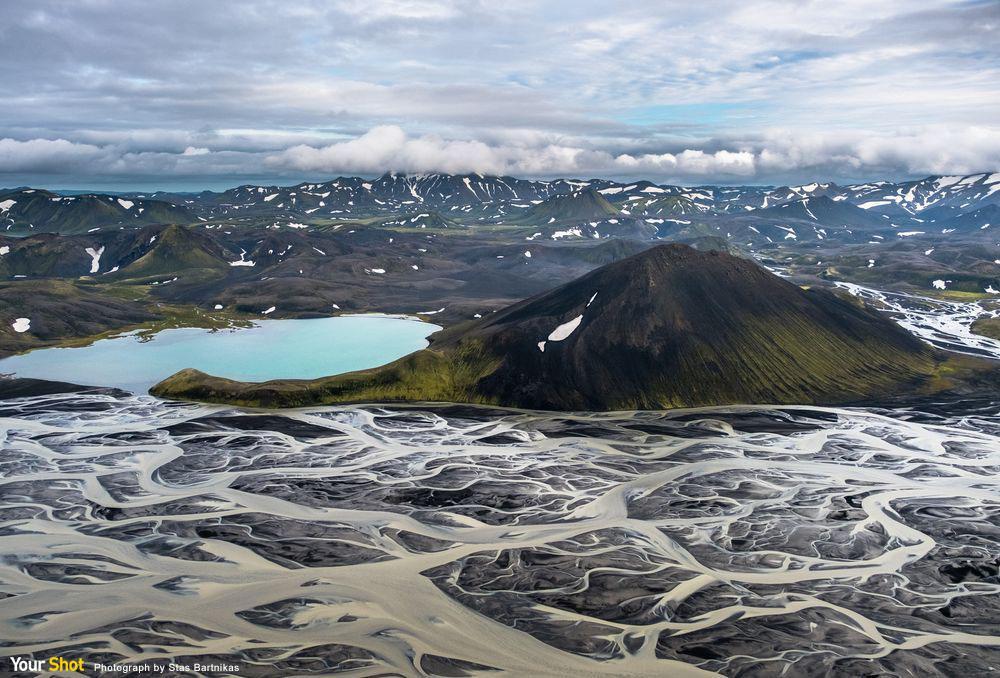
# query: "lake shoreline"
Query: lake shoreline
266,349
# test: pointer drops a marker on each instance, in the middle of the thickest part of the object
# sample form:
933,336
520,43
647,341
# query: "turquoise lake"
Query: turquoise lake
271,349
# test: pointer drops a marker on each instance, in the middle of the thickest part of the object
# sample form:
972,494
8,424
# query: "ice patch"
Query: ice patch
21,324
127,204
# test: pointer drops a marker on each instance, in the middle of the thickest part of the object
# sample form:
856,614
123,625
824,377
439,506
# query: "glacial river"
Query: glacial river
463,541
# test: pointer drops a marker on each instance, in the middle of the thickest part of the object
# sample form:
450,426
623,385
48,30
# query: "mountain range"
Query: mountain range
935,208
457,247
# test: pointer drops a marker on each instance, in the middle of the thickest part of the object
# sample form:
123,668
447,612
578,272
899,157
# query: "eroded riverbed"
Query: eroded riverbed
463,541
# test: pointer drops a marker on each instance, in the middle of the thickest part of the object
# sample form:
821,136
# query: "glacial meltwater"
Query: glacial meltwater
467,541
460,541
271,349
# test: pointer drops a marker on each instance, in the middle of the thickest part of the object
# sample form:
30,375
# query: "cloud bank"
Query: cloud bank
759,91
772,157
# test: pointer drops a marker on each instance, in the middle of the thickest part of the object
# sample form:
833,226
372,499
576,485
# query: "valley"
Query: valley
454,247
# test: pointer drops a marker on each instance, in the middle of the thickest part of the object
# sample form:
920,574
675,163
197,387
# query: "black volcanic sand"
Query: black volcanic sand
460,540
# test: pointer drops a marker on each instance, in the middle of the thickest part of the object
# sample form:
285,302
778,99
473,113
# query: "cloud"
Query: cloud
740,90
42,155
777,154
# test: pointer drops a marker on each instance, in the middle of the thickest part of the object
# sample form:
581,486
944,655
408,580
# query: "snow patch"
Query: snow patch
242,261
95,256
566,329
21,324
569,233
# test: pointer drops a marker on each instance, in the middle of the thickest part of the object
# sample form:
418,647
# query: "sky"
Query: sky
185,95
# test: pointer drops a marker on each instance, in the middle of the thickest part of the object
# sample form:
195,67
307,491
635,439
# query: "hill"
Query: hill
171,250
668,327
38,211
579,206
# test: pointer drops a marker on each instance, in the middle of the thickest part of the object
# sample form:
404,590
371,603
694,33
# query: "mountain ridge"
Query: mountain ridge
936,208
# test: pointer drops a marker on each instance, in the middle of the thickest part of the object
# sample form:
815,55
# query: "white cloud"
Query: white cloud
769,157
920,151
732,90
37,155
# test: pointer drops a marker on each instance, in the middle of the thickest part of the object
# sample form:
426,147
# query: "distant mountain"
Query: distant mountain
578,206
751,216
422,219
915,197
471,196
824,211
171,250
152,250
669,327
25,211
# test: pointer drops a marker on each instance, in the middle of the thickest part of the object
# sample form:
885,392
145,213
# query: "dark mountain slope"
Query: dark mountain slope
668,327
824,211
171,250
37,211
59,310
586,205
